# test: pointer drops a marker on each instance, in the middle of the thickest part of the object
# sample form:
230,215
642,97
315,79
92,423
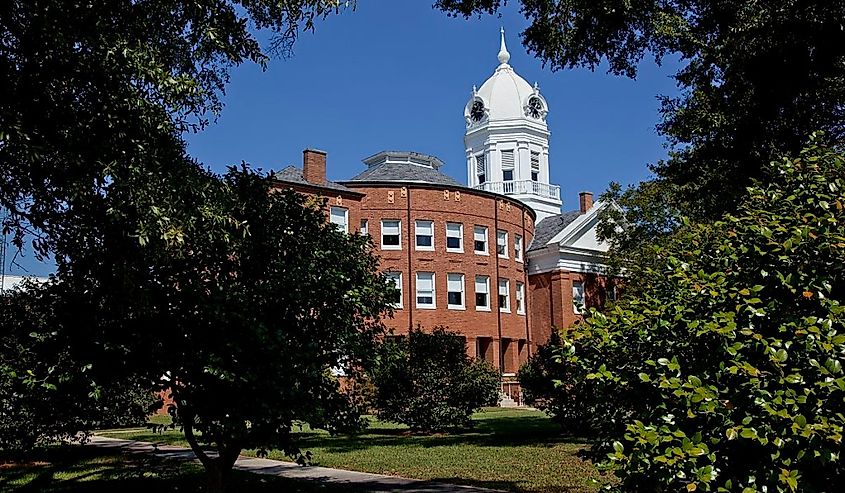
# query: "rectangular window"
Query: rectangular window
481,168
577,296
507,165
395,278
504,295
425,290
391,234
365,227
454,237
517,248
480,240
340,216
502,244
482,293
611,292
520,298
455,289
535,166
424,231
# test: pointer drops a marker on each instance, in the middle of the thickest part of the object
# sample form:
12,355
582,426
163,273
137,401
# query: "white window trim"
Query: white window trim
486,241
462,306
345,227
520,289
486,282
507,296
391,247
461,237
399,286
518,253
433,304
424,248
506,245
364,227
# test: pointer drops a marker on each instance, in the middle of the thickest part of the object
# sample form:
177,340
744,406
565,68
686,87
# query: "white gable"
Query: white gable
576,248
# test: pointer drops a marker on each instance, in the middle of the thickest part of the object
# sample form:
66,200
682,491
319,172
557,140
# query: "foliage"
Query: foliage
98,94
45,393
725,372
563,402
427,382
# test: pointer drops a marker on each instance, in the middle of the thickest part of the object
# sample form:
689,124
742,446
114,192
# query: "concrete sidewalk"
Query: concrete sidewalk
357,480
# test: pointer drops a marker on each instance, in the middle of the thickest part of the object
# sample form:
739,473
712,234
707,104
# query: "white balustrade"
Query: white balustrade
521,187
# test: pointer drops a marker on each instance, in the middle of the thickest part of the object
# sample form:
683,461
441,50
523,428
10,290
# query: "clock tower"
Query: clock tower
507,139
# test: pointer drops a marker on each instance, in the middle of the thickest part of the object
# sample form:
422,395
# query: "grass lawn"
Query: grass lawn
74,469
510,449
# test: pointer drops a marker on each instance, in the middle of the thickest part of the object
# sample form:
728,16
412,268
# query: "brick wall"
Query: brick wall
410,203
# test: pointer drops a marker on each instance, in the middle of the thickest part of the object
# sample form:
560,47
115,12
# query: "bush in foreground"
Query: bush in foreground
725,373
427,382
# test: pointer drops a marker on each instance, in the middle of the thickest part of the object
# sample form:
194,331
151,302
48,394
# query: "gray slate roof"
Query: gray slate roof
292,174
400,172
549,227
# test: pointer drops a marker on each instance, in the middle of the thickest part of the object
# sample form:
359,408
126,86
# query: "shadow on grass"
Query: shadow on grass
75,469
536,431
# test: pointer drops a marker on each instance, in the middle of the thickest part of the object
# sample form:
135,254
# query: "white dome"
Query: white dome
505,96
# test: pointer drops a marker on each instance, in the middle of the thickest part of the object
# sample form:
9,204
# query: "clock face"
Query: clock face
535,107
476,112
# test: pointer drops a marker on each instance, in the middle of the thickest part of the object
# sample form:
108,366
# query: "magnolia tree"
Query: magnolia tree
260,318
244,313
726,372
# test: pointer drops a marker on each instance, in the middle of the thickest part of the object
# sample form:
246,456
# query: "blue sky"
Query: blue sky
397,74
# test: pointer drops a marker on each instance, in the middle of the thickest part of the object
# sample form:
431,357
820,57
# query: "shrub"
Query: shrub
562,401
45,392
725,372
428,382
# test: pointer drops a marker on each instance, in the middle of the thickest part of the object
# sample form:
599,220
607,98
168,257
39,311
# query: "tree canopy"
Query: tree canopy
725,373
97,95
756,79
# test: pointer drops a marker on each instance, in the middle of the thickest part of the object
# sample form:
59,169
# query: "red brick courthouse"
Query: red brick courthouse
494,259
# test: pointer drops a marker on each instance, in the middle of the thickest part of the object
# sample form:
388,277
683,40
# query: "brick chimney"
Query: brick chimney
585,199
314,166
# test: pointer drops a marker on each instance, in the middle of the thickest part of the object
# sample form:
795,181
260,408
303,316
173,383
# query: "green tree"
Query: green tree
755,79
46,394
257,317
725,373
428,382
97,95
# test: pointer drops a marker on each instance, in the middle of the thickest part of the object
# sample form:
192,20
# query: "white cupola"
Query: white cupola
507,139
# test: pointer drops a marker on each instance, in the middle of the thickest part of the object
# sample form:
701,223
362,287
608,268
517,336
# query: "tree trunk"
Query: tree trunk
217,475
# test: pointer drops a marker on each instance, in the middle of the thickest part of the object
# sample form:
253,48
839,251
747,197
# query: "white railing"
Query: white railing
521,187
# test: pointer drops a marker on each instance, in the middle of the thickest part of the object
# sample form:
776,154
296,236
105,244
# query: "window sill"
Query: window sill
426,307
482,309
520,313
424,249
456,307
390,247
482,253
502,310
450,250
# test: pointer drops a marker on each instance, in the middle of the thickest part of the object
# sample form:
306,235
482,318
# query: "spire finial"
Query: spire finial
504,56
